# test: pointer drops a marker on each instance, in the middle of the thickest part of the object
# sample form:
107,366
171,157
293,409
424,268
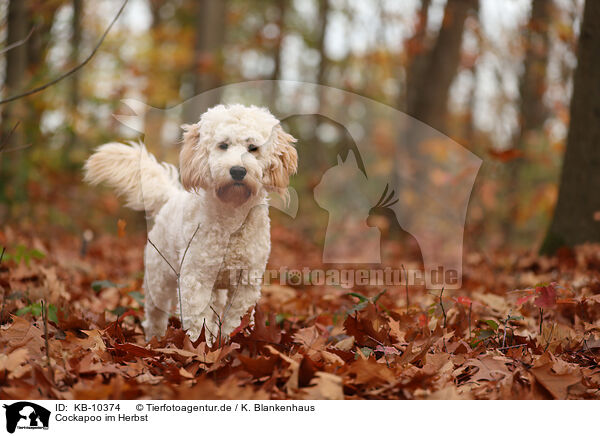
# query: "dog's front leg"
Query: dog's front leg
199,272
240,299
196,293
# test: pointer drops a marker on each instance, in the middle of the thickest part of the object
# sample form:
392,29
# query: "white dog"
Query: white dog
215,222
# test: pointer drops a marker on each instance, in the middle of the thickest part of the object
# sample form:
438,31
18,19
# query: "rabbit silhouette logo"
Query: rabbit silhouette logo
26,415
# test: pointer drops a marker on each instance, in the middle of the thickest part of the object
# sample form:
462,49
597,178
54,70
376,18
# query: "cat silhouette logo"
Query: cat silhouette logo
26,415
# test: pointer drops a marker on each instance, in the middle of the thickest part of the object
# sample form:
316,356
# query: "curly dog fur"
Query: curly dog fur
212,223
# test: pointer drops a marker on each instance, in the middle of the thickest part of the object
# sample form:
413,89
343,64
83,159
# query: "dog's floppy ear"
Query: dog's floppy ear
193,159
283,161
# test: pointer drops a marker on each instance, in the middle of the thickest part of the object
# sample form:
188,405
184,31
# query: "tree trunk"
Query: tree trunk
417,51
154,120
533,82
323,60
13,165
207,67
576,215
74,79
430,105
16,66
207,71
532,111
282,6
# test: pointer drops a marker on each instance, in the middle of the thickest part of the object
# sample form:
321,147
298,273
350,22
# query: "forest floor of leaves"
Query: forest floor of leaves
521,327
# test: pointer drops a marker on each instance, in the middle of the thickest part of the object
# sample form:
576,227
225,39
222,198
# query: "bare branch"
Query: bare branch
188,247
406,284
72,70
442,306
17,43
178,273
164,258
46,342
7,137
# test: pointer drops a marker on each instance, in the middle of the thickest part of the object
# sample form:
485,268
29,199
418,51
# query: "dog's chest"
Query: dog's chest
249,245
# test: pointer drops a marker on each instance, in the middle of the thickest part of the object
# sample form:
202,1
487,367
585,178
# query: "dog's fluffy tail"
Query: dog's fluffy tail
134,174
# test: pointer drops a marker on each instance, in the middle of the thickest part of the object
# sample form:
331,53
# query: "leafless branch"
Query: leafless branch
470,310
72,70
220,325
17,43
46,342
177,273
7,137
188,247
512,346
233,295
164,258
406,284
442,306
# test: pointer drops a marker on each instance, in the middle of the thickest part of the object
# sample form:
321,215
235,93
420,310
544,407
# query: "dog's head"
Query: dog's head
237,151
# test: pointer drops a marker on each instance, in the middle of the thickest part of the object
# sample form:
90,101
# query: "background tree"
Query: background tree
532,108
576,217
432,80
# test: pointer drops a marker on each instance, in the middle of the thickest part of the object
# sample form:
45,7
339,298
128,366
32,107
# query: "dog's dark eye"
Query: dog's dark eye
223,146
252,147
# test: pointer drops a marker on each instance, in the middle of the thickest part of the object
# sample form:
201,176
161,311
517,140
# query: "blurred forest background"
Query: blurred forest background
495,76
515,82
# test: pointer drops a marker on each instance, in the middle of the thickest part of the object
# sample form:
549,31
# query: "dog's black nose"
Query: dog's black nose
237,173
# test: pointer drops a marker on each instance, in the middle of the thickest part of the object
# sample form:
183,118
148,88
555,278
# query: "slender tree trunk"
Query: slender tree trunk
13,165
16,66
207,71
74,79
576,217
324,8
430,105
533,81
417,51
153,119
282,6
41,17
533,112
210,36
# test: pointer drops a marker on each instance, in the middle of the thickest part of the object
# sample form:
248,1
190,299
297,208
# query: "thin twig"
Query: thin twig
470,310
3,290
541,319
179,276
505,322
383,348
17,43
234,294
188,247
72,70
406,285
7,137
549,338
220,324
442,306
178,273
512,346
164,258
46,342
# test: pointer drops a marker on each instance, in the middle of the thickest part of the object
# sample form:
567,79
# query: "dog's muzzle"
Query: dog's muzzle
234,192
